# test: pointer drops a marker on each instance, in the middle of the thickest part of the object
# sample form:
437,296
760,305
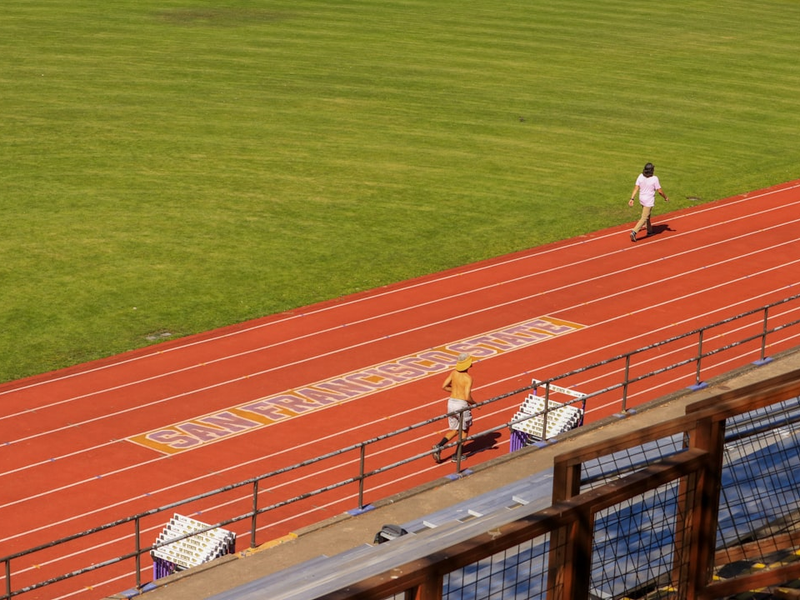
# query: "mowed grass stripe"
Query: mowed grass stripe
172,166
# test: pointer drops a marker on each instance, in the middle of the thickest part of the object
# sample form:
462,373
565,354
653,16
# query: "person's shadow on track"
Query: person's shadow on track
659,229
480,444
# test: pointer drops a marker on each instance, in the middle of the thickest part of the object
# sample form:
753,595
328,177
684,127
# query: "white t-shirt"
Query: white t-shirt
647,189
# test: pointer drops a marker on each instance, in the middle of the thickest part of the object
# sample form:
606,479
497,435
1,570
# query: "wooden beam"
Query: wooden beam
431,565
754,581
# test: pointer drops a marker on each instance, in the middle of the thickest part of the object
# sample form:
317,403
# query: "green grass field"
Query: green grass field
173,166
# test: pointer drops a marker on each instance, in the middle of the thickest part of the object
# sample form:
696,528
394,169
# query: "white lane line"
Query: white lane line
572,358
563,310
451,297
156,352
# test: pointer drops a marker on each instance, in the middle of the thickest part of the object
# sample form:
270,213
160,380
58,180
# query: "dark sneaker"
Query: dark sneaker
633,236
437,453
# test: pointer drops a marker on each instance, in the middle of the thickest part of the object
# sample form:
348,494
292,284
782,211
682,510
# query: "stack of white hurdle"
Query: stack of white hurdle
530,425
201,545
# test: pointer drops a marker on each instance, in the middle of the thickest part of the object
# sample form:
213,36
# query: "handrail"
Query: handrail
363,475
575,547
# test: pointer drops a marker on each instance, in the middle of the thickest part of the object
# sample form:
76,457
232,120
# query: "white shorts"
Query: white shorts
454,404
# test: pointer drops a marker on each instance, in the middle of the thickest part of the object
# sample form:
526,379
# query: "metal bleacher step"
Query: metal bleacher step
252,589
298,581
291,577
405,549
538,487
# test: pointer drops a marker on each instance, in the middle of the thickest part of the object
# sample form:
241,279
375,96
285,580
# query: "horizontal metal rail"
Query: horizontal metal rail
361,447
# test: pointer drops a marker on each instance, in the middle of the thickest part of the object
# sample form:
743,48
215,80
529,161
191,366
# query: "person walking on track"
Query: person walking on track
647,184
459,384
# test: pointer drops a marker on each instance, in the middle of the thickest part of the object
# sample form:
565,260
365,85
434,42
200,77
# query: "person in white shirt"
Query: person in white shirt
647,184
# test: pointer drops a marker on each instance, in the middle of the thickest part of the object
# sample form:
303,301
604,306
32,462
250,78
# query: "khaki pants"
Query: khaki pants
645,220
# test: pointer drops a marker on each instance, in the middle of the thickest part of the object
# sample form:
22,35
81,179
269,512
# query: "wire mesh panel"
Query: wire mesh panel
760,495
644,513
519,573
610,467
635,545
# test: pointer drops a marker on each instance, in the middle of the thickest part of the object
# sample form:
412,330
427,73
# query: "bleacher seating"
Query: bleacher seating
750,441
304,581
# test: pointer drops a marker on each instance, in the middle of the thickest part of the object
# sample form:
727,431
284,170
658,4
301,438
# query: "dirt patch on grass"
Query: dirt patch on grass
158,336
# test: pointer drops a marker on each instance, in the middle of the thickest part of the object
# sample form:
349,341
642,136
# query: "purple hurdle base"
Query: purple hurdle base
162,568
518,441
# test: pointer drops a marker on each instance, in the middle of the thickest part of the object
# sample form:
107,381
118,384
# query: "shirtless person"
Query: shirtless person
459,384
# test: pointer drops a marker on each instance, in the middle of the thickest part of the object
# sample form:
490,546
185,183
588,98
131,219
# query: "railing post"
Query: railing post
625,383
546,410
764,335
361,464
8,578
699,358
137,528
460,437
253,525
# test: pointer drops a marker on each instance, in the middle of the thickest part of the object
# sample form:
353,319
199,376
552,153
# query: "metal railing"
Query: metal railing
764,329
691,521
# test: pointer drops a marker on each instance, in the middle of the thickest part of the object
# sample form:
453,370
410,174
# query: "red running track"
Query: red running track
91,444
